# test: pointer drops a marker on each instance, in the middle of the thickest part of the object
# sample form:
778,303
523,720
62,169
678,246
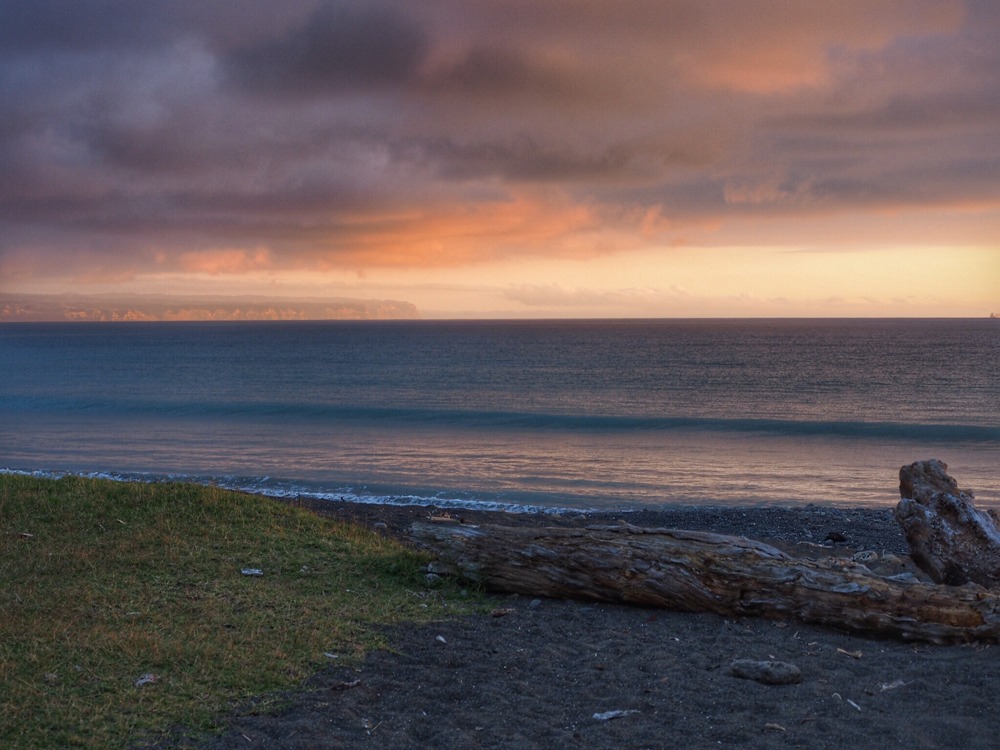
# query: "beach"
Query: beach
538,673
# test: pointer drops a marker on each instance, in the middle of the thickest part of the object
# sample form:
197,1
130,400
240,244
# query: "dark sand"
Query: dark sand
534,674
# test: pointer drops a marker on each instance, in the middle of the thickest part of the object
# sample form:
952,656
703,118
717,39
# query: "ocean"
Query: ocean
552,416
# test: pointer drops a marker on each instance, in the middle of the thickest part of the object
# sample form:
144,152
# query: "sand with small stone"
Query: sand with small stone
538,673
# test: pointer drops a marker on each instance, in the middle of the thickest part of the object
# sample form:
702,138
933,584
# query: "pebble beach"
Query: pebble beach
539,673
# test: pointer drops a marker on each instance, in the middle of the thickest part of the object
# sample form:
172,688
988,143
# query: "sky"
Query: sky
508,158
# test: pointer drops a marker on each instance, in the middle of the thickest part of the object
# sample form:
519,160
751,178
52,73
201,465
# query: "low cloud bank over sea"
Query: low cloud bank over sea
44,308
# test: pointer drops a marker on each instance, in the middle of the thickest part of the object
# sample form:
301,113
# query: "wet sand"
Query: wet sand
544,674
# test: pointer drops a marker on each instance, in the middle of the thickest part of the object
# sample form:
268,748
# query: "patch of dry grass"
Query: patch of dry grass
103,582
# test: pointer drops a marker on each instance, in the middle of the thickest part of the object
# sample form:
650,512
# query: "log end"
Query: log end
949,538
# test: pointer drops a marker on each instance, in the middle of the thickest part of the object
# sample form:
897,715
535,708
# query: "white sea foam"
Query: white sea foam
262,488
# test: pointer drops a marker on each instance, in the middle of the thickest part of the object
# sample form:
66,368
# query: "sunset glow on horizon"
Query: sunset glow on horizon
498,158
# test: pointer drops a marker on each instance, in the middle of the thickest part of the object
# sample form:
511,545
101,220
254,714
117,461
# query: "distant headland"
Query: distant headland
24,308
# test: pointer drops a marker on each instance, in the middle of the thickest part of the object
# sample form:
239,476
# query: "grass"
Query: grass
104,582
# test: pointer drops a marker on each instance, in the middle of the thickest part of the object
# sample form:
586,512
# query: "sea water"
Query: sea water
548,415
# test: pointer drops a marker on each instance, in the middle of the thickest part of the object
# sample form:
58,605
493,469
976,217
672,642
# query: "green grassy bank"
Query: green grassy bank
103,583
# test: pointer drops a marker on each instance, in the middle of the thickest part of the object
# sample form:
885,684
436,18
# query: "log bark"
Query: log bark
949,537
699,571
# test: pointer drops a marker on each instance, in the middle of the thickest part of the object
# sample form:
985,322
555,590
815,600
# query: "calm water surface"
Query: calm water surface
568,414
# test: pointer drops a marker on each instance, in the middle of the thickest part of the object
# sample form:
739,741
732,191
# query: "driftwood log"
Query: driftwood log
699,571
949,538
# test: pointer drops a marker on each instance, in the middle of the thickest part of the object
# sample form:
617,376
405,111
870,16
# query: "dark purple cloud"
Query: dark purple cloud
30,27
341,46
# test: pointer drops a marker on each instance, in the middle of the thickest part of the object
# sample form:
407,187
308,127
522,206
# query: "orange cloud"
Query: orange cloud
452,235
771,47
224,261
105,276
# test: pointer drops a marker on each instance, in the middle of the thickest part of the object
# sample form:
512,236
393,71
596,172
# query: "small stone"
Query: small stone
535,603
609,715
766,672
865,557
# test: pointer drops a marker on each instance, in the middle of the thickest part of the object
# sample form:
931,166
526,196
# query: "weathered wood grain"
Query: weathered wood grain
705,572
950,539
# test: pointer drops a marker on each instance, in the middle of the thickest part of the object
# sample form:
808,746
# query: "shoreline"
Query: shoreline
818,526
859,526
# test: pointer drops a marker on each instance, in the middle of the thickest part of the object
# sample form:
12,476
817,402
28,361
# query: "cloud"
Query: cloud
69,26
39,308
341,46
244,134
555,296
229,260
